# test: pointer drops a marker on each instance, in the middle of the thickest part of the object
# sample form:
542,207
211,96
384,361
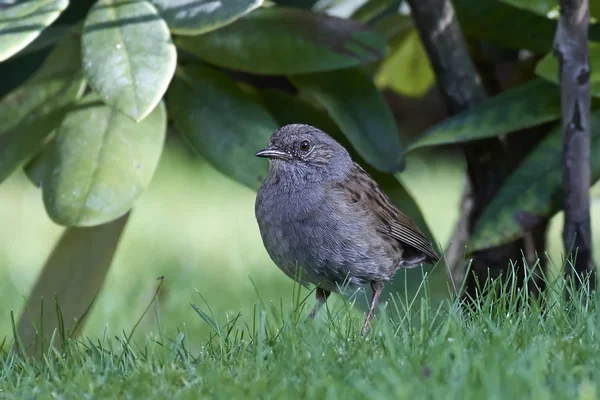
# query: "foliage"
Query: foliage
98,83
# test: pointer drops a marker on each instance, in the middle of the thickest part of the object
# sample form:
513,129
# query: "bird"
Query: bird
324,220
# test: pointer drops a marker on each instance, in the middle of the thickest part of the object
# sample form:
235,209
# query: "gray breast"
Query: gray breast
325,237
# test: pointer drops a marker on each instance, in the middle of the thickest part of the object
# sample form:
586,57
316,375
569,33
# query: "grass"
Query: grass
197,229
508,347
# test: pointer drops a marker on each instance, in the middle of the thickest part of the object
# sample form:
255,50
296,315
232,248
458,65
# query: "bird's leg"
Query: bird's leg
322,296
377,289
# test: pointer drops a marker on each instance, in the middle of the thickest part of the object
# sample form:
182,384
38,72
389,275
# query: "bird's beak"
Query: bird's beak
273,152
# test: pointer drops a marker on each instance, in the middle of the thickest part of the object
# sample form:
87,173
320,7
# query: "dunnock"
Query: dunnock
319,210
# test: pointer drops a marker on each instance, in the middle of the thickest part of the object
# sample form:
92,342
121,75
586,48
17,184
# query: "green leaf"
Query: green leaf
128,57
360,110
595,10
407,70
30,113
20,144
547,68
57,83
48,38
294,109
524,106
21,23
306,4
532,191
394,27
100,163
290,109
542,7
276,41
504,25
223,123
36,167
374,8
193,17
73,274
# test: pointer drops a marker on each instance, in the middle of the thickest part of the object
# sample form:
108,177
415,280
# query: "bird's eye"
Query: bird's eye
304,145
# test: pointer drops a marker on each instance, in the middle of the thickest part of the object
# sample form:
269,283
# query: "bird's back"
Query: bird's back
403,237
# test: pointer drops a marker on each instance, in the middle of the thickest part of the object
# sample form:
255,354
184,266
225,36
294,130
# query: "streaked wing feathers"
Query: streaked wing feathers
392,221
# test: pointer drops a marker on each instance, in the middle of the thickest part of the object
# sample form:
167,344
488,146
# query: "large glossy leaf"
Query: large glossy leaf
128,57
532,191
100,163
547,68
356,105
57,83
287,41
73,275
522,107
505,25
407,70
223,123
193,17
22,22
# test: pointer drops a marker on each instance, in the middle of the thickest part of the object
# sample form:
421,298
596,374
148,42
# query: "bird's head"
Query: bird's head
304,151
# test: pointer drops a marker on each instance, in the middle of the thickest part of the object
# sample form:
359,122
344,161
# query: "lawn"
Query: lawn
246,334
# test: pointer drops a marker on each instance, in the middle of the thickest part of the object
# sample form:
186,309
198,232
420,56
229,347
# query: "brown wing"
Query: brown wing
393,222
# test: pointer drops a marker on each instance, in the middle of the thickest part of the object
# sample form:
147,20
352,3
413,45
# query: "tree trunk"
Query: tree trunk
489,161
571,49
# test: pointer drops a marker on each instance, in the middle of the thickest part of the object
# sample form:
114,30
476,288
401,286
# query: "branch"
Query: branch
457,77
487,160
571,49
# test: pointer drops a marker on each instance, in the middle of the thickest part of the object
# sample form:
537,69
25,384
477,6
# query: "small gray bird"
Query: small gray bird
320,211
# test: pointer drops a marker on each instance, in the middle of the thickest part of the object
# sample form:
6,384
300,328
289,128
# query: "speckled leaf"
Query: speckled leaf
128,57
100,163
193,17
57,83
505,25
223,123
522,107
532,191
22,22
547,68
287,41
360,110
73,275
